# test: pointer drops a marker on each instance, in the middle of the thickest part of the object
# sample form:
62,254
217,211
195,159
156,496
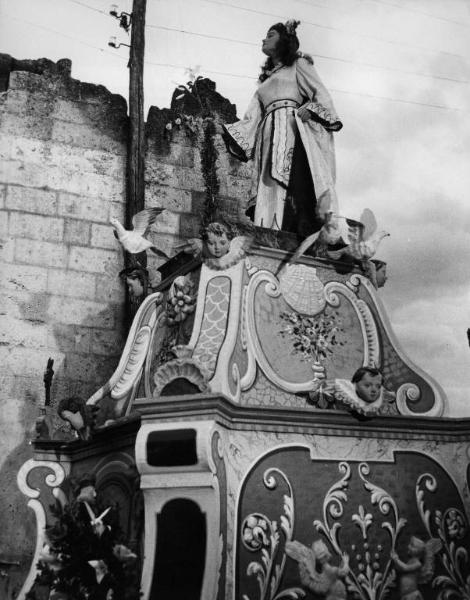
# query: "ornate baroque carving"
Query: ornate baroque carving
53,480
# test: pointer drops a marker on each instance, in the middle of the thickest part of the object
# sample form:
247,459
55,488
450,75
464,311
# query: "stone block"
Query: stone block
17,172
62,282
26,125
83,160
22,333
102,237
236,187
26,306
31,200
190,225
79,207
109,288
107,342
92,260
3,193
77,111
36,227
28,362
74,311
4,218
69,338
167,222
85,184
77,232
16,101
172,198
174,176
175,154
40,253
84,136
24,278
90,367
7,254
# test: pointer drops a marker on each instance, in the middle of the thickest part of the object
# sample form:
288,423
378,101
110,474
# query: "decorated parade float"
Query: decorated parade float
263,437
238,440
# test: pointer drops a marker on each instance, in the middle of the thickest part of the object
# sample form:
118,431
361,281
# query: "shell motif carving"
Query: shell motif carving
180,368
302,289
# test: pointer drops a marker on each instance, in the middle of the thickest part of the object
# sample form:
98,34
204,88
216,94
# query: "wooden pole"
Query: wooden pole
136,143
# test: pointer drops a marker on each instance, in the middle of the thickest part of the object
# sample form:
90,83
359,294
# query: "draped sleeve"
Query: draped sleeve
240,137
319,101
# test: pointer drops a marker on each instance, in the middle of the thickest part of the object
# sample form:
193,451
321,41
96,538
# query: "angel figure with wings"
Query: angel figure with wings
218,247
316,572
418,569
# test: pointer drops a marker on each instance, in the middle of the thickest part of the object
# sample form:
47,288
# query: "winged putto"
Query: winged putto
316,572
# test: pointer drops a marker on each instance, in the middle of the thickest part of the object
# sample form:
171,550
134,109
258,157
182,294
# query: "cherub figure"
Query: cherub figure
136,279
418,569
218,247
75,411
324,579
368,383
364,394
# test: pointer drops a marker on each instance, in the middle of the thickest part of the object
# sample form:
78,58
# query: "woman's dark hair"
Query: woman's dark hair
359,374
136,272
287,47
74,404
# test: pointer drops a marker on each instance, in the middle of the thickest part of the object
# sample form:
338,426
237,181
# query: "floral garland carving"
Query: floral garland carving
260,534
451,526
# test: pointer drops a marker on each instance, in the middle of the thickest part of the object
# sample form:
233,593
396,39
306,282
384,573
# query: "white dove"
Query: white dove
97,522
364,239
134,241
330,234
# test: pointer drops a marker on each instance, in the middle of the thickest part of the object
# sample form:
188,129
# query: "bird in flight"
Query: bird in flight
134,240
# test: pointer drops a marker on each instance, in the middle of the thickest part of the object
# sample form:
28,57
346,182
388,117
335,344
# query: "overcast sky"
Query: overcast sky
399,73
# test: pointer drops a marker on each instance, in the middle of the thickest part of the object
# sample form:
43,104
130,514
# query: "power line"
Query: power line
204,35
330,27
337,90
70,37
333,58
421,12
225,73
90,7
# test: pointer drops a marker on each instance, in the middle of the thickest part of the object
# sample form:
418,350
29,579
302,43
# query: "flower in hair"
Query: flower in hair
291,26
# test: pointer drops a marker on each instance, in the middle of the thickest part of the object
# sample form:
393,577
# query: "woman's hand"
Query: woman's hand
304,113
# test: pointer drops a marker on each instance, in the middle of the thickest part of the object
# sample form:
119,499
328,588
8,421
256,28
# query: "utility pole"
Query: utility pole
136,142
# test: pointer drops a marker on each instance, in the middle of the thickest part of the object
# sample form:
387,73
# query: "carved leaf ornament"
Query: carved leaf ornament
371,574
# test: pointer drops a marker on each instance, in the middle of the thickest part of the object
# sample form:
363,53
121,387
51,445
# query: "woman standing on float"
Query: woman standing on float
287,131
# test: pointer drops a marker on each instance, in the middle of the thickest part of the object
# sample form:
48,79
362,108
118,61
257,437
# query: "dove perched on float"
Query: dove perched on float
134,240
330,234
363,237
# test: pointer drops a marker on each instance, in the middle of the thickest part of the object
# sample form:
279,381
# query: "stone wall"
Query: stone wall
62,176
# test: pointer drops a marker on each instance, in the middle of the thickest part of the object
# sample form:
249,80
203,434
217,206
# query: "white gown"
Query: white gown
267,134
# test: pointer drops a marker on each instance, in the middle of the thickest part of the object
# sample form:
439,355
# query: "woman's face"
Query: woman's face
270,42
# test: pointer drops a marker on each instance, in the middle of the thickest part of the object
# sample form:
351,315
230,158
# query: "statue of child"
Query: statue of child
368,383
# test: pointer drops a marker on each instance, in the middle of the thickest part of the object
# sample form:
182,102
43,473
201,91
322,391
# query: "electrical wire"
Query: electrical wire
225,73
324,56
421,12
103,12
330,27
70,37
